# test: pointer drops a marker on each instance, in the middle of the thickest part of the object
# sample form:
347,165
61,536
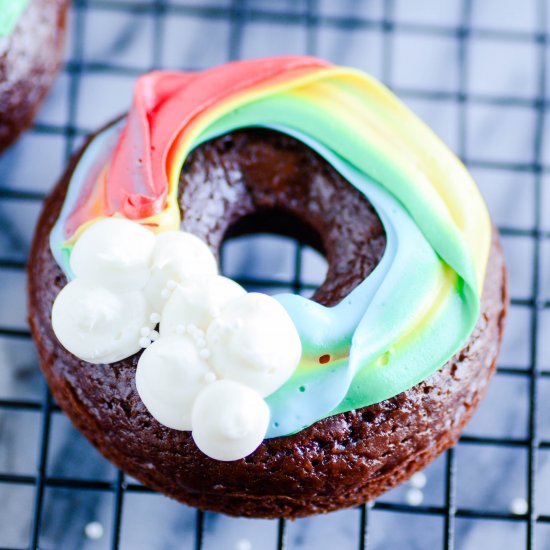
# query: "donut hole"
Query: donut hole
255,183
273,251
276,221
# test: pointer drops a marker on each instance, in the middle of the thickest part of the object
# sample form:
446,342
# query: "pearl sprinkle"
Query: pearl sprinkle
155,318
144,342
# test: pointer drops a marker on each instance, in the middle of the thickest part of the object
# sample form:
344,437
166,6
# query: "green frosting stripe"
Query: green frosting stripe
10,11
386,348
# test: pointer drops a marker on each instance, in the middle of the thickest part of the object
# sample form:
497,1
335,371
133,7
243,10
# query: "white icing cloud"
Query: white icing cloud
218,352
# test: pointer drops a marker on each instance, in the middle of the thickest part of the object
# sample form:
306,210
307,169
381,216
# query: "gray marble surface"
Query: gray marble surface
110,42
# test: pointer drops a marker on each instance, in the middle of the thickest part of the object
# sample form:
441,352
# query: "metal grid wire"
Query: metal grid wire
308,16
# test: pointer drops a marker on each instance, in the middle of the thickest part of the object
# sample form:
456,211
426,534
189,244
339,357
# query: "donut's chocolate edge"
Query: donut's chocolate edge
35,48
338,462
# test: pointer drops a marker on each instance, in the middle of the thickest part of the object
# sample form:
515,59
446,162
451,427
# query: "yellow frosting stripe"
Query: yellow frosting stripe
362,107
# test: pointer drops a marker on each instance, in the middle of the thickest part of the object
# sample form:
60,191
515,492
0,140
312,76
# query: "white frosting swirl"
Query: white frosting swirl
97,324
115,253
127,281
169,376
229,420
255,342
176,257
197,301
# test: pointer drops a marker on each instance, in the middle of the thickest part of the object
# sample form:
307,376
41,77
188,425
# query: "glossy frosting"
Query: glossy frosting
211,331
420,304
10,11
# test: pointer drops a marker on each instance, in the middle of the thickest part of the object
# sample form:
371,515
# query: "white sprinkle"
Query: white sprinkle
414,497
171,284
94,530
165,293
145,331
197,334
155,318
144,342
179,330
153,335
200,342
204,353
243,544
209,377
191,328
238,324
418,480
519,506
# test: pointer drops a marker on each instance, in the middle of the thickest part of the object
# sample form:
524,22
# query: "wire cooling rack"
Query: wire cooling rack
478,74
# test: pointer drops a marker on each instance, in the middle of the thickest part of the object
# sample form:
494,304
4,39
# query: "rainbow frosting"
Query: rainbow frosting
420,304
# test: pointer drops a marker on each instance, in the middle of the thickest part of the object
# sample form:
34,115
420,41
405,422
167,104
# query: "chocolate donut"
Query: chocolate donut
278,185
261,180
31,45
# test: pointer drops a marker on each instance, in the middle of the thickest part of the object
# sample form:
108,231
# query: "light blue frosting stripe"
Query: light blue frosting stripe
10,12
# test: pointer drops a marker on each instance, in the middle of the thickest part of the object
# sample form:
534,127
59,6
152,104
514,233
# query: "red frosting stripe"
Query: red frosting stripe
165,107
